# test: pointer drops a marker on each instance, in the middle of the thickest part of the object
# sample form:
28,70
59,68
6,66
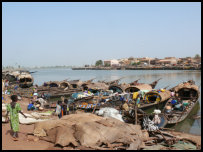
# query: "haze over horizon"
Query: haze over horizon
79,33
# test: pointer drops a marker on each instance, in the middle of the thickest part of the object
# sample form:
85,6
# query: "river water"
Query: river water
170,78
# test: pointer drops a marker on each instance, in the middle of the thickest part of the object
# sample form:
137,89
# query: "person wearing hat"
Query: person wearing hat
14,108
156,119
35,95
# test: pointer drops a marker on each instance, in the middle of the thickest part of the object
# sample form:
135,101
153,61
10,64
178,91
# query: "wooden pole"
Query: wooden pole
97,102
135,113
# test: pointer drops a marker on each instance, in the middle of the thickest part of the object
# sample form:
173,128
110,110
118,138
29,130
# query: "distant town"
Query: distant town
131,63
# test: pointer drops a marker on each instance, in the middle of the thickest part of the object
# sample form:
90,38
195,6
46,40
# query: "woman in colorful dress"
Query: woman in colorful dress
14,108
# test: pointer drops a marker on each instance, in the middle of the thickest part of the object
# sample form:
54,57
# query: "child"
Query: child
31,106
14,108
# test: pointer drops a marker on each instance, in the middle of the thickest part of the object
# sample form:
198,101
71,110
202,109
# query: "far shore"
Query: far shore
137,68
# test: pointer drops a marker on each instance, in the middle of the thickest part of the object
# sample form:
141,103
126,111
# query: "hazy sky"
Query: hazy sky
48,34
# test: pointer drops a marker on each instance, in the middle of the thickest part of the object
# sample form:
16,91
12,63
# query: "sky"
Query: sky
76,33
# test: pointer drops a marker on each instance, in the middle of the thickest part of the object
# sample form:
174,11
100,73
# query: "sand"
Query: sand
23,143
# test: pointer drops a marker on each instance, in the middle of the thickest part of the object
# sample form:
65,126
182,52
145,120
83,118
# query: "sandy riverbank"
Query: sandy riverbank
22,143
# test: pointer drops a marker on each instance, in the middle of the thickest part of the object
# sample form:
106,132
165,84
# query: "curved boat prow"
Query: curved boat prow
153,84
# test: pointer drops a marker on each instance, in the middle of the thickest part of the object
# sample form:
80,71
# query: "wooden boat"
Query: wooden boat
153,84
138,87
134,82
96,86
134,86
75,84
187,94
64,85
23,78
120,88
153,98
114,82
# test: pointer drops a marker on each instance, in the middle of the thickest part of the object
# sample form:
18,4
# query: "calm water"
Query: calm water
169,78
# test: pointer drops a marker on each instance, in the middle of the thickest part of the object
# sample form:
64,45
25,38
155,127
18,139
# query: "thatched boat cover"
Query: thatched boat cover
138,88
165,95
25,75
97,85
53,83
187,90
162,96
25,79
84,85
118,88
64,84
75,83
15,73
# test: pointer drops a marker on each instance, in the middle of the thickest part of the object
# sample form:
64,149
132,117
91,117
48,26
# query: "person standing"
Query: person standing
64,105
14,108
6,84
59,109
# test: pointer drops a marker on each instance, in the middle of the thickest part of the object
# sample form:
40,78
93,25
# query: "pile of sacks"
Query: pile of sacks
90,131
34,117
109,112
81,95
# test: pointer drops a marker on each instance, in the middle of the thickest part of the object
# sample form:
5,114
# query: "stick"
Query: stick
96,104
135,108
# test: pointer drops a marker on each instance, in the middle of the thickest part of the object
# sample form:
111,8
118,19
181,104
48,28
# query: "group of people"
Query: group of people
37,102
175,104
13,110
62,108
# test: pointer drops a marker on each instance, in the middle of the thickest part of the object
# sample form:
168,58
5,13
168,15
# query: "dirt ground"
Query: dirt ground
23,143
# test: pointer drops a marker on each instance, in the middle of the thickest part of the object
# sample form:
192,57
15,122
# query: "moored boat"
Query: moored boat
186,97
154,97
25,80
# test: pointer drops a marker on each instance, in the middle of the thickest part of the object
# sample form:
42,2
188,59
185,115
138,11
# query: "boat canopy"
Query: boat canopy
116,88
187,91
139,87
154,96
64,85
53,84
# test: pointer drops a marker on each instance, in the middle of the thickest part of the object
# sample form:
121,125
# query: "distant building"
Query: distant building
147,60
124,62
113,62
197,60
133,60
168,60
189,60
